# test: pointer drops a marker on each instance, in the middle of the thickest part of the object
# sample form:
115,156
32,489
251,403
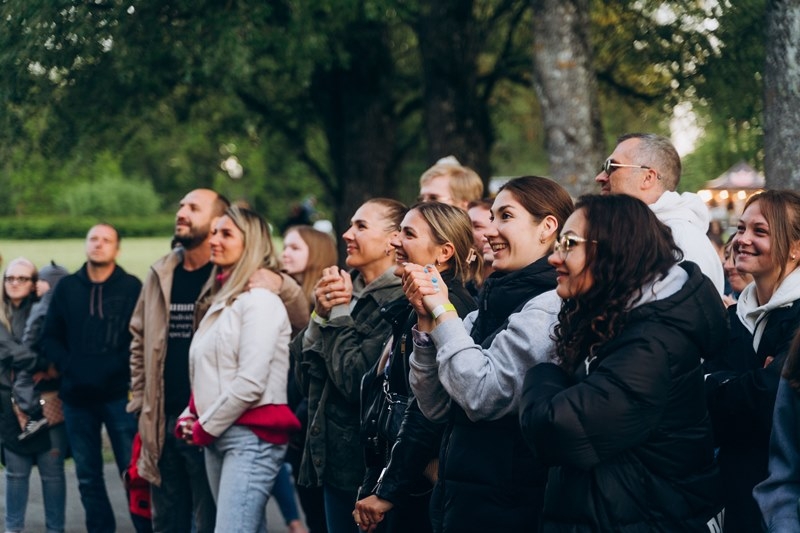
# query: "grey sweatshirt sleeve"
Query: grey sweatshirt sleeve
486,383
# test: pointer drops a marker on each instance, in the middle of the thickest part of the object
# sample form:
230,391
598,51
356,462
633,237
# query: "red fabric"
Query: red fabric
138,488
273,423
200,436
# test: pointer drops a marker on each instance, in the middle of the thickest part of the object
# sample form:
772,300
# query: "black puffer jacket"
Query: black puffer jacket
629,441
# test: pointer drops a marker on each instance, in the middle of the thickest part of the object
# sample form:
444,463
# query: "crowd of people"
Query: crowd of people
527,362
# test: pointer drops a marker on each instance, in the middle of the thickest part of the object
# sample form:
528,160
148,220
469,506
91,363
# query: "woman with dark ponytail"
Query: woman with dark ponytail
621,419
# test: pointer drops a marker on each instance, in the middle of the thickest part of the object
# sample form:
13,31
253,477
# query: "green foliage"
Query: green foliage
109,195
65,227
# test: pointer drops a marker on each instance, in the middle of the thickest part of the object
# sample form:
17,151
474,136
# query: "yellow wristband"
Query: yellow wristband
318,319
441,309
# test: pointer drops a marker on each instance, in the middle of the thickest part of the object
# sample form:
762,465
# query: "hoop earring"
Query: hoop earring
542,240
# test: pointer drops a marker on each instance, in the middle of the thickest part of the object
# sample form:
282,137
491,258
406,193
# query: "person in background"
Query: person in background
47,448
619,416
736,281
26,393
343,340
450,183
86,336
306,252
647,166
743,377
238,363
480,214
469,374
400,466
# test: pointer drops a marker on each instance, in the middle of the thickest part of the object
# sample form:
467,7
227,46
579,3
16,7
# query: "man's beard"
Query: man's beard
193,239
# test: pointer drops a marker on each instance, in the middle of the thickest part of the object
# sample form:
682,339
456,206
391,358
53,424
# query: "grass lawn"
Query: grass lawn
135,256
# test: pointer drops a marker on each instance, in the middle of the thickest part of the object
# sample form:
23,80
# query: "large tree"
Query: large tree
566,85
782,95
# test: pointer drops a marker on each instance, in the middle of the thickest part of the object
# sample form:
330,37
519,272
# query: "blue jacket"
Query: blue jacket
779,494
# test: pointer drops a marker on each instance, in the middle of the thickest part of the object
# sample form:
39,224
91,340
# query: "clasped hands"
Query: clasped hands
333,288
425,290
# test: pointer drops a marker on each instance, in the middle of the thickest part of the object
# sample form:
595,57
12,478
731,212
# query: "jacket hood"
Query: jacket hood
687,207
753,315
696,310
385,280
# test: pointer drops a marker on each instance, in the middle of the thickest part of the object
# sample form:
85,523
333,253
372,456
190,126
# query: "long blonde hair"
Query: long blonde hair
258,253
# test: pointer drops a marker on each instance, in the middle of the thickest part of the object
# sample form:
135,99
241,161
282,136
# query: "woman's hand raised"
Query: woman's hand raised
425,291
334,288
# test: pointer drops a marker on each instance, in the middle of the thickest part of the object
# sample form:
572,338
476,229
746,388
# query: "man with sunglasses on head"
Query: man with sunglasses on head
647,166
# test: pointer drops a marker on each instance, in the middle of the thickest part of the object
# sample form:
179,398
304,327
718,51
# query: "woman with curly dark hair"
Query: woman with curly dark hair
621,418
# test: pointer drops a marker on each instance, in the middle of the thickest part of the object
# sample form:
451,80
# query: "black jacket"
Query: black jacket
86,335
488,478
740,391
630,443
15,355
417,444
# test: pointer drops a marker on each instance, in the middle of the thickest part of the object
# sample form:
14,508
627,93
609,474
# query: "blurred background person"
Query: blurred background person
46,449
480,215
735,281
306,252
449,182
343,340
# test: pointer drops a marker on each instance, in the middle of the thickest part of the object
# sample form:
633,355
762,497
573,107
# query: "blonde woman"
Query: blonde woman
238,364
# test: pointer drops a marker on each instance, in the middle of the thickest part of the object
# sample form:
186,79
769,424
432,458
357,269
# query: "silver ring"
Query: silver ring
327,296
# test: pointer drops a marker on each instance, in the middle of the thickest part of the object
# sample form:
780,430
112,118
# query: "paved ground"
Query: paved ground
34,522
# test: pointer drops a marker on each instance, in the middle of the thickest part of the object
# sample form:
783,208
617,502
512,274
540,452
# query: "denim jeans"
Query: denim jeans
339,506
184,493
54,489
241,471
84,425
284,494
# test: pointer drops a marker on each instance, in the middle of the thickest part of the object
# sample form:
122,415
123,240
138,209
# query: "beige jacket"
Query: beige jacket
239,358
148,326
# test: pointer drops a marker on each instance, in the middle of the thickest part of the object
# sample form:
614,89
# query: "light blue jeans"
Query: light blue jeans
241,470
54,488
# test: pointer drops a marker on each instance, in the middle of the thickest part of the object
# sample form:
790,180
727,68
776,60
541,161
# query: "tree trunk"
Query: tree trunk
567,89
355,103
456,118
782,95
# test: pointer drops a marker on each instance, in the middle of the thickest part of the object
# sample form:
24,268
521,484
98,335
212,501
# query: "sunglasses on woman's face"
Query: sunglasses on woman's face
565,244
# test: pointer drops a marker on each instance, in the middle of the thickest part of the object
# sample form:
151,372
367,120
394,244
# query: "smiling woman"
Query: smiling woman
622,408
743,380
469,374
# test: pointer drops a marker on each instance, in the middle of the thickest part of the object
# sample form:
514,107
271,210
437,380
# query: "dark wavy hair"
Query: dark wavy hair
630,249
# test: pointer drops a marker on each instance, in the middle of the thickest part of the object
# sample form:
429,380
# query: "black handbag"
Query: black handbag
381,411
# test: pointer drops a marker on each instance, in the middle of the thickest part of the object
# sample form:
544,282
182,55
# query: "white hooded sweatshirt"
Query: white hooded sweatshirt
687,216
